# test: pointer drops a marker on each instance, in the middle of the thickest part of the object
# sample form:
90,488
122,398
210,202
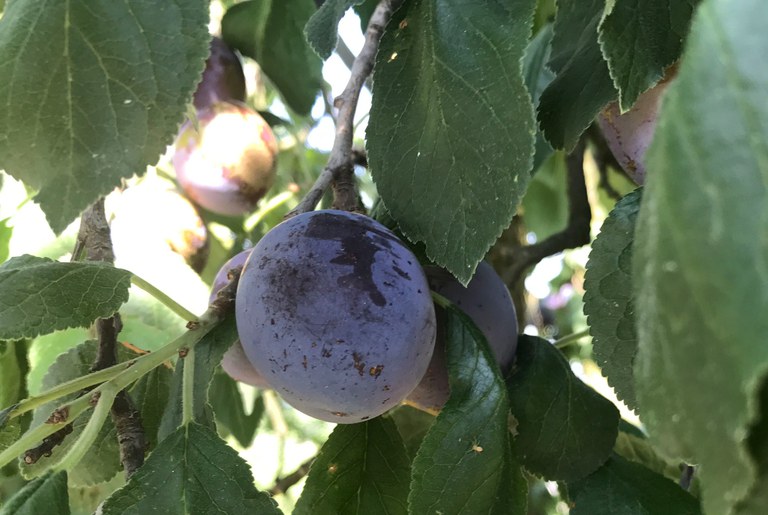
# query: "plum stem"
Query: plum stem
163,298
120,377
256,218
339,168
568,339
104,402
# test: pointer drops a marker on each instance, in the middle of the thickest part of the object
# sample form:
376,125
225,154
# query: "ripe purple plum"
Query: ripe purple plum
488,303
229,163
223,77
235,363
629,134
335,312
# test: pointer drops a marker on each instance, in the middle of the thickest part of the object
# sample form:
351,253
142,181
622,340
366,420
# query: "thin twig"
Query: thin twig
575,234
348,58
339,167
282,485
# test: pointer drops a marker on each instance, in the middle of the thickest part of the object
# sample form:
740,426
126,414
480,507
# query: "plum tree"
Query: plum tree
629,134
336,313
227,163
488,303
223,77
235,363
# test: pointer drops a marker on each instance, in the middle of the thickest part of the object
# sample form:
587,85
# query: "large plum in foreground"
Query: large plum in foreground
488,303
235,363
335,312
227,163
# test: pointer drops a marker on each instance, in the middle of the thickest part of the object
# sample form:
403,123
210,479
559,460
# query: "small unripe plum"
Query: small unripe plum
154,213
335,312
235,363
486,300
229,163
629,135
223,77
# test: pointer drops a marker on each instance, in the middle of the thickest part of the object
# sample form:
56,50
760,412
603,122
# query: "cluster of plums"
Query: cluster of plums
225,159
335,313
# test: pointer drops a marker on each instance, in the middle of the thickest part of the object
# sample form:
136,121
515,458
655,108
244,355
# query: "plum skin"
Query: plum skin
488,303
229,164
223,77
335,312
235,363
629,134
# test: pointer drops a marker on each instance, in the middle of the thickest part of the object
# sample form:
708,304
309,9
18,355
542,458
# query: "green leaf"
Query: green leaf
582,85
639,450
537,77
207,356
545,205
229,411
39,296
191,472
462,461
623,487
5,238
147,323
608,297
364,11
9,431
413,425
47,494
699,255
78,120
512,496
565,430
757,499
45,349
321,29
452,120
150,396
271,32
361,469
639,39
102,461
12,382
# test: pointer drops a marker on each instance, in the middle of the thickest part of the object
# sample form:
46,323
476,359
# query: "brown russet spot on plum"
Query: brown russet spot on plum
376,371
359,364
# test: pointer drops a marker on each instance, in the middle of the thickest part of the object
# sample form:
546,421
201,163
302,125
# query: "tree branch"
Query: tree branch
339,168
95,239
283,484
575,234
